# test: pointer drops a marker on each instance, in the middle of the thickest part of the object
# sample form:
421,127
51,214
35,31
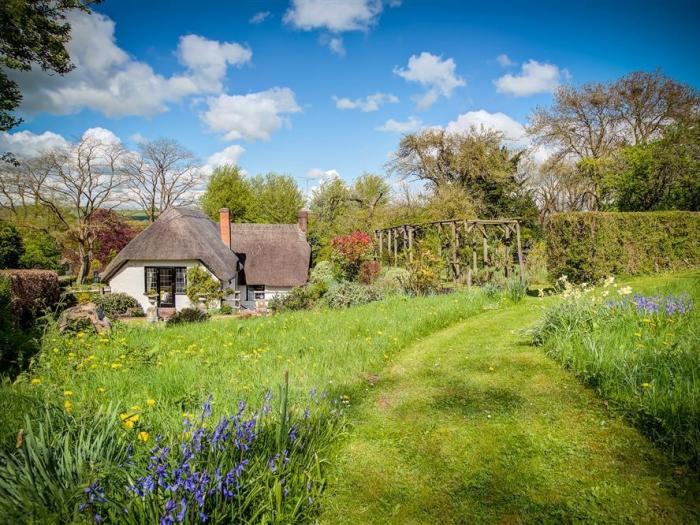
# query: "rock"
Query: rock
81,315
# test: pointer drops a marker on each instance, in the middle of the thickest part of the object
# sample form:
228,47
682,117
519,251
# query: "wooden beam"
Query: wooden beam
521,263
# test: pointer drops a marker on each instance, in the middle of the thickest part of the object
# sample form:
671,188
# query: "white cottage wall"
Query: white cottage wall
131,280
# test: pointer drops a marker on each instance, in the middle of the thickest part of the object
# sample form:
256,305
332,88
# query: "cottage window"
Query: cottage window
151,279
258,292
180,280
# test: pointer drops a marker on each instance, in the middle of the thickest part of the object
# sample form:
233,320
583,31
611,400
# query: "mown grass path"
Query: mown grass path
474,425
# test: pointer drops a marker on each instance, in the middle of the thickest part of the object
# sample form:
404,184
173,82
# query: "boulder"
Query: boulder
82,315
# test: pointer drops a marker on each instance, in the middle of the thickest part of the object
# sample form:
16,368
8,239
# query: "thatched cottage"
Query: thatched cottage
257,261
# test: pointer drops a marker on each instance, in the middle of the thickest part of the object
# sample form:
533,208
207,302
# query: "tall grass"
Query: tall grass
639,351
155,381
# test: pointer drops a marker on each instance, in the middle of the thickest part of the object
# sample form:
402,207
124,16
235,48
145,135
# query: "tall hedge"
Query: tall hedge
592,245
33,293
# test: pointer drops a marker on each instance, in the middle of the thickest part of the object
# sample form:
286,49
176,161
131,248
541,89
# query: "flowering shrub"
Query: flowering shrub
350,250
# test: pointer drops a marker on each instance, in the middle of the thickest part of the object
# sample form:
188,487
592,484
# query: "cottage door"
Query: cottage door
166,287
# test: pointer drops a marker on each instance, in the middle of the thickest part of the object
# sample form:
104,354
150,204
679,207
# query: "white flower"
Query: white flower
625,290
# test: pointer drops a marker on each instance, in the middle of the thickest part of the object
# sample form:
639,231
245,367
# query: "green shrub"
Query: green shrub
536,263
300,298
119,305
226,309
11,248
346,294
393,281
590,246
324,272
200,283
188,315
515,289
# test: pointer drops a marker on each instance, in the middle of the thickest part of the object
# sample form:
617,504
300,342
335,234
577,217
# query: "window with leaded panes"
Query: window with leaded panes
180,280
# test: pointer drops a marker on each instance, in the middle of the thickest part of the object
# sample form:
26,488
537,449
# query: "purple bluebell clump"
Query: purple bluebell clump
669,305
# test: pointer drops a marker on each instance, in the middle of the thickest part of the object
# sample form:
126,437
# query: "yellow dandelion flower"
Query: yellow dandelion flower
67,405
67,393
128,424
646,385
135,407
101,389
151,402
143,436
36,381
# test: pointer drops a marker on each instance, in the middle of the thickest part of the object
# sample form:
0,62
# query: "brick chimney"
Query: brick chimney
303,220
225,226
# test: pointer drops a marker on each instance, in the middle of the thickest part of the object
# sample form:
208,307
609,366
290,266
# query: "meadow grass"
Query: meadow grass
155,379
641,352
477,425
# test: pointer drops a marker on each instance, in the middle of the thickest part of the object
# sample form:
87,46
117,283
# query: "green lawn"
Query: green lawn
475,425
452,416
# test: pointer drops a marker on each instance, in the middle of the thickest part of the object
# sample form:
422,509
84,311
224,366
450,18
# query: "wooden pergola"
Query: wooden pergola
457,237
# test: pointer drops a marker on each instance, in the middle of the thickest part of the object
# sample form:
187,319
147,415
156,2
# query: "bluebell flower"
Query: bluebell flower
206,407
183,511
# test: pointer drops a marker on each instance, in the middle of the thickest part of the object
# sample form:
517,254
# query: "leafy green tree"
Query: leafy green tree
661,175
40,251
11,248
227,188
32,32
275,199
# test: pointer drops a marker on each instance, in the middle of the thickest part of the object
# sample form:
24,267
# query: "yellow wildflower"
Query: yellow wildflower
135,407
67,405
36,381
646,385
143,436
101,389
151,402
67,393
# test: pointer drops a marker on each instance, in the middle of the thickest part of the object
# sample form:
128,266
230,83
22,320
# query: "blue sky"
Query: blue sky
262,93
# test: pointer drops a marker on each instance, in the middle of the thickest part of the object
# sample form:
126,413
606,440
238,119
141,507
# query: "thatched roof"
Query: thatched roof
272,254
179,234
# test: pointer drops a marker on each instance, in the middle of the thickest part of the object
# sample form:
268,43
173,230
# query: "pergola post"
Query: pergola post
521,263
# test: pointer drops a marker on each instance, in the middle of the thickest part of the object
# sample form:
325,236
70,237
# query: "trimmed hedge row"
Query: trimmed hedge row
589,246
33,293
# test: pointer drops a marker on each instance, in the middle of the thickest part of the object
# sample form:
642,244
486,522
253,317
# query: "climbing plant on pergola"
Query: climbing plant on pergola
469,246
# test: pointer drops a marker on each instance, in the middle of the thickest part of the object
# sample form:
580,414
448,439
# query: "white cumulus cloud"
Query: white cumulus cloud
512,130
28,145
228,155
208,60
367,104
250,117
106,79
333,15
335,44
535,77
435,73
395,126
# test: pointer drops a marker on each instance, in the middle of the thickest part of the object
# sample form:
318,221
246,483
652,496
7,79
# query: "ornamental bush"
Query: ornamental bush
119,305
188,315
34,292
300,298
592,245
350,250
346,294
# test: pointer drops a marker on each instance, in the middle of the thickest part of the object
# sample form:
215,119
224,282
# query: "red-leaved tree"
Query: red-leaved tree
350,250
